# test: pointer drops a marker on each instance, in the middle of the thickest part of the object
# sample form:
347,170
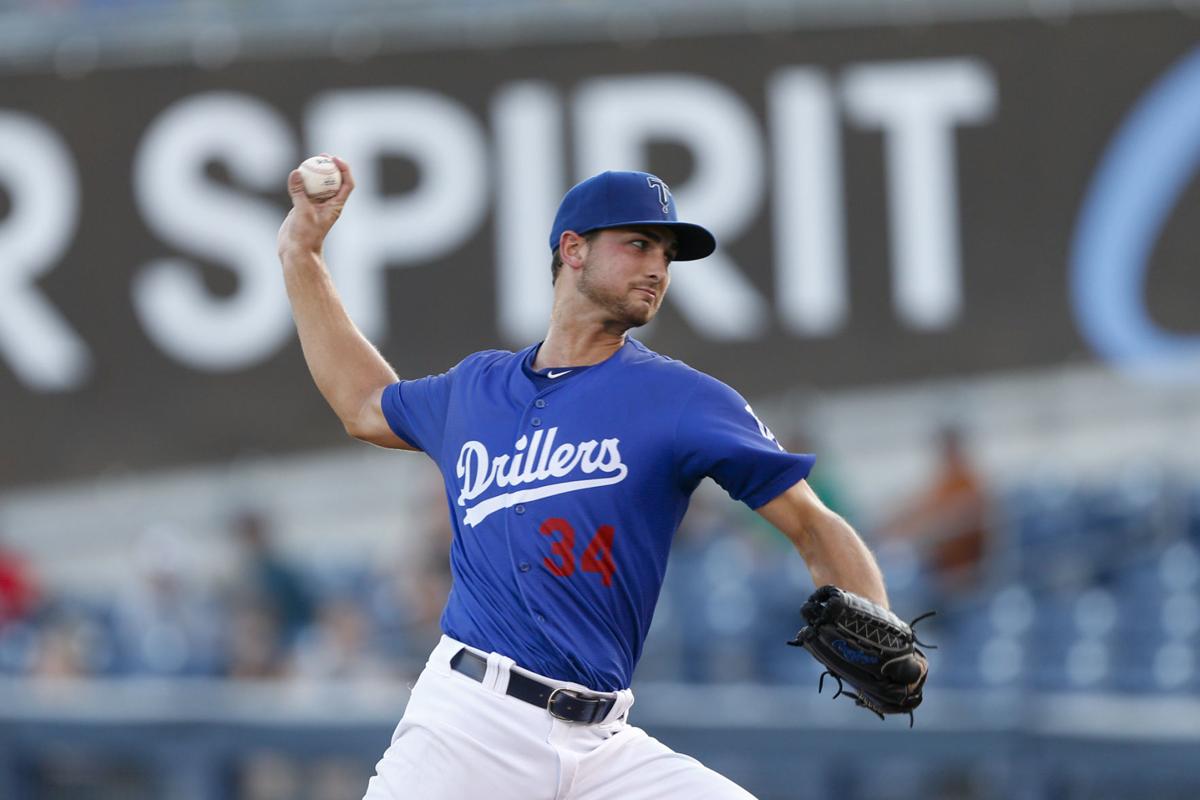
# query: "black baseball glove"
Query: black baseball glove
866,646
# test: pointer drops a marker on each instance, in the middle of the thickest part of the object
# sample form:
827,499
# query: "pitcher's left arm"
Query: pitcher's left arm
831,549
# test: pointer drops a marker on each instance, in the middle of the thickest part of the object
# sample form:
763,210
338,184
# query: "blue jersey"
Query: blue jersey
565,490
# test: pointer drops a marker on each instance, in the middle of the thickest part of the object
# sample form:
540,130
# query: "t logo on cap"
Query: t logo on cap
664,194
620,200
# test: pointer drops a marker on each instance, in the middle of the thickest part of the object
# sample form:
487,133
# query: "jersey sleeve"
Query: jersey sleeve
416,410
719,437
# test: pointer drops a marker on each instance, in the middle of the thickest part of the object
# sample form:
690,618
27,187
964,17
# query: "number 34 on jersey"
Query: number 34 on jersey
596,557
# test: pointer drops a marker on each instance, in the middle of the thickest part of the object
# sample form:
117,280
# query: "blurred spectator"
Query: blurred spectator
947,520
254,647
18,593
167,625
409,592
72,643
431,583
270,580
338,646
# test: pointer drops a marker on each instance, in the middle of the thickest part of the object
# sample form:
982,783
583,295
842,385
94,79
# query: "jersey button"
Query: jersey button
540,403
541,618
520,509
524,566
536,422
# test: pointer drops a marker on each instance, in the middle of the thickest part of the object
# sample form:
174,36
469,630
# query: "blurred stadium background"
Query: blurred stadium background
959,264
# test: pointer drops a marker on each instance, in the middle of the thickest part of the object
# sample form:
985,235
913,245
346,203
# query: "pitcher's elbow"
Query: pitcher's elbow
356,430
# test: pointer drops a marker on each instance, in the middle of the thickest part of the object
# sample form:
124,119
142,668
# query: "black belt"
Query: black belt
565,704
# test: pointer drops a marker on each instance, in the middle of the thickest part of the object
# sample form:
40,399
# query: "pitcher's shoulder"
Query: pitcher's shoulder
651,365
485,360
694,385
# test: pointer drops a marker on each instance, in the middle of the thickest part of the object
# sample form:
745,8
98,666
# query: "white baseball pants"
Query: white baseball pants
464,740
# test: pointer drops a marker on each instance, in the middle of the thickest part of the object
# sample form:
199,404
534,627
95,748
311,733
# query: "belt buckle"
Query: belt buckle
550,704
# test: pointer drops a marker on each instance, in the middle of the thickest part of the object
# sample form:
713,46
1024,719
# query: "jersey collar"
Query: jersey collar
622,354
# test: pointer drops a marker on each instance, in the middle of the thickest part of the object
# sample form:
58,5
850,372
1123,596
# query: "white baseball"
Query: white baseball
322,178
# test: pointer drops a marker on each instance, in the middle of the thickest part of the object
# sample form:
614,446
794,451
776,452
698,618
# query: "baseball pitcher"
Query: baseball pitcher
568,466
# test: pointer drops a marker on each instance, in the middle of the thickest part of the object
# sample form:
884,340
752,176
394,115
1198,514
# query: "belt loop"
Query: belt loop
499,668
506,667
620,710
492,679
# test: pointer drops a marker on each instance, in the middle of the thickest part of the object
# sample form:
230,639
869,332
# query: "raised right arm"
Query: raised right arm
348,370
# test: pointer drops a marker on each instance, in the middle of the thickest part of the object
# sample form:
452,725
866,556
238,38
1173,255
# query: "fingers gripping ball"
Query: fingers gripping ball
866,646
322,178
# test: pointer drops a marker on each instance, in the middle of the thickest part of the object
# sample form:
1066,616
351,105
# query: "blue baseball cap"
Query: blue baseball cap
628,199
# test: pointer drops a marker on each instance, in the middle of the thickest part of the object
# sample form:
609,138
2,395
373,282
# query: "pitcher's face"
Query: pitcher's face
627,270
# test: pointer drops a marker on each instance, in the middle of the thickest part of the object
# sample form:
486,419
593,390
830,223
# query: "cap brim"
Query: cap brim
695,241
